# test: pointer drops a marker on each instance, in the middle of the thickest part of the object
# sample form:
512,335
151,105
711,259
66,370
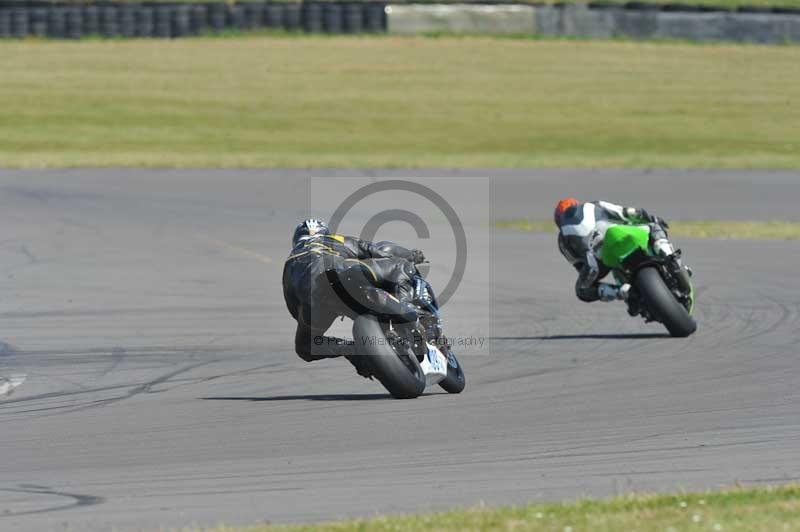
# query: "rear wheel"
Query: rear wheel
455,381
395,366
663,304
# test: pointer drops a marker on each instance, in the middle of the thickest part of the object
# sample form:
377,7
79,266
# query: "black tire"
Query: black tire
253,15
199,18
5,23
401,381
38,21
292,17
353,18
236,18
182,21
127,21
217,16
56,23
145,22
19,23
91,20
273,15
375,18
663,304
332,18
108,21
455,381
74,23
312,17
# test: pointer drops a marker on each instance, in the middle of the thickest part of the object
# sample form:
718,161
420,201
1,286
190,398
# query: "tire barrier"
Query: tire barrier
38,22
108,21
57,24
312,17
162,27
375,18
253,15
182,21
145,22
292,17
600,19
235,17
91,20
353,18
19,23
74,20
5,24
199,18
217,17
273,16
127,21
332,18
45,19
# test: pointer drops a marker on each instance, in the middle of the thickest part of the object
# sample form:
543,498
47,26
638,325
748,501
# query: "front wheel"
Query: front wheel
393,365
455,381
662,303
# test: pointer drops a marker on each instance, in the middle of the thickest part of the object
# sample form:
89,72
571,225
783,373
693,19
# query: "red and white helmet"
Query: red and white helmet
562,207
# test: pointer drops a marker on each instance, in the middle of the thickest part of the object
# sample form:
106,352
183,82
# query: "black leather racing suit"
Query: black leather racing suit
384,269
580,238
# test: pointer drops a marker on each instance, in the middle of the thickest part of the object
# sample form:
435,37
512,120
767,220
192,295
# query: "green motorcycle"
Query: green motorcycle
661,287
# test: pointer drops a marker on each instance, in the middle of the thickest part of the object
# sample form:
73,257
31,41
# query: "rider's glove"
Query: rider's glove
659,221
639,214
417,256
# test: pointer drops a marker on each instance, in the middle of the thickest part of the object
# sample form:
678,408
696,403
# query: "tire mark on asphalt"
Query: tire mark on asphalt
32,259
78,500
117,354
132,392
130,311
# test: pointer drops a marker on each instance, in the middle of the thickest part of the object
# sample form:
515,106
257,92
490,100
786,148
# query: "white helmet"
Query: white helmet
309,228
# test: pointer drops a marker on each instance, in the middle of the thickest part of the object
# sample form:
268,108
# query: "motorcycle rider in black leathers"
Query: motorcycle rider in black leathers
581,229
380,275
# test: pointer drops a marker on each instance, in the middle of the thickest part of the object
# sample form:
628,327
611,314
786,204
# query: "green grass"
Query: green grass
753,230
737,510
397,102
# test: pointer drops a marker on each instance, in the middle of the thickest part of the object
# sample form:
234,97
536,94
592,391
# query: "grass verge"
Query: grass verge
754,230
397,102
751,510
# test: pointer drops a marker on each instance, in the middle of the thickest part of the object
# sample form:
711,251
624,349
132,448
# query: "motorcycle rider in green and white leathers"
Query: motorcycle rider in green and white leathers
582,227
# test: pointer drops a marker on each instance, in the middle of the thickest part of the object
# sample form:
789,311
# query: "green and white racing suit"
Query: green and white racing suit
580,239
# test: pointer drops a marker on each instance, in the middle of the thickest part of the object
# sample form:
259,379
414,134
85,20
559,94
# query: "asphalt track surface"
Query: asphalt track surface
163,391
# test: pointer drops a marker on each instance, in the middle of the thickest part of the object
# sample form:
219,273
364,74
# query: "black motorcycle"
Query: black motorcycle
406,356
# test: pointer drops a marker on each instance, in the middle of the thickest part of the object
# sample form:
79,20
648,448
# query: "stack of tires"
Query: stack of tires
170,20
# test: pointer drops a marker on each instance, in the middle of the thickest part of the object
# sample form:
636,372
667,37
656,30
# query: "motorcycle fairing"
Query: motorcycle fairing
434,365
621,241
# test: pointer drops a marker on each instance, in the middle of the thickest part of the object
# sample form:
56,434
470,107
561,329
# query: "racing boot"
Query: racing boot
361,363
609,292
337,347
